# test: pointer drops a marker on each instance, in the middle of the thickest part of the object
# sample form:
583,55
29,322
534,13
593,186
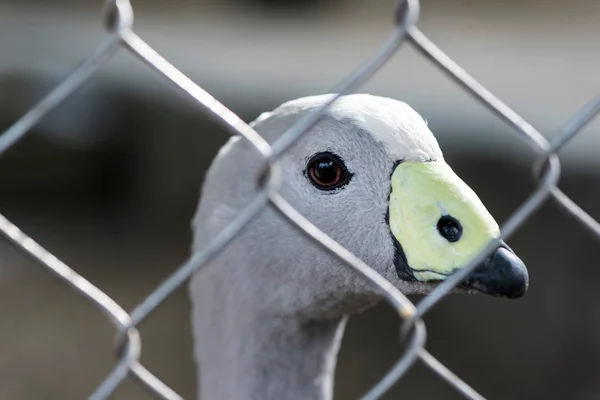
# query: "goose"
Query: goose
268,313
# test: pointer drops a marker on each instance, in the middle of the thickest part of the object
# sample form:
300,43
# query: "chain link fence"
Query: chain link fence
121,36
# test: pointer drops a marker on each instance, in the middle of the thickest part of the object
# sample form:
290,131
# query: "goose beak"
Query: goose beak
438,225
502,274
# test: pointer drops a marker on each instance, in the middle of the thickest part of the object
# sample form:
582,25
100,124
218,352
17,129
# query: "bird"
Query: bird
268,313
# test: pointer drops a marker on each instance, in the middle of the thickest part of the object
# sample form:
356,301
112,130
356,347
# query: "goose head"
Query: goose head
371,175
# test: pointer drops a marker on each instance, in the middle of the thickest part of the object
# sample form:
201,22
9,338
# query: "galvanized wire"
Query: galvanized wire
119,18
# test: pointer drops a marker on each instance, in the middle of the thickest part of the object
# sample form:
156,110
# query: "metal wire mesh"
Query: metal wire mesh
119,21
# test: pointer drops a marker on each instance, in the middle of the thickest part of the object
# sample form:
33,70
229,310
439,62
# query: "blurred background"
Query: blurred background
109,181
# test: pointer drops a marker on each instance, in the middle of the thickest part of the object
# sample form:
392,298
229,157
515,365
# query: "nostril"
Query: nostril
449,228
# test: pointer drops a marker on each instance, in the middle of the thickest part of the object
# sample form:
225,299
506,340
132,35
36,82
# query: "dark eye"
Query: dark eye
449,228
326,171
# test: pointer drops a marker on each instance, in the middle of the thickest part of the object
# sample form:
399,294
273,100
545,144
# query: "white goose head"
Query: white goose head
371,175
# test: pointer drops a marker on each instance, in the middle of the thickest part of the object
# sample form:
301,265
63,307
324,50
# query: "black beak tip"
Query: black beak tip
503,274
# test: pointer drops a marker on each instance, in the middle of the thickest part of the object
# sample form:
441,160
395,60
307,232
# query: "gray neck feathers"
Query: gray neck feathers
246,353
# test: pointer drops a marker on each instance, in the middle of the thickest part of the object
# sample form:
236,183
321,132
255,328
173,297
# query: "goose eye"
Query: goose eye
326,171
449,228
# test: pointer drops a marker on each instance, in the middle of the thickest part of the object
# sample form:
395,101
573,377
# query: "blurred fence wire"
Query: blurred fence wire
121,36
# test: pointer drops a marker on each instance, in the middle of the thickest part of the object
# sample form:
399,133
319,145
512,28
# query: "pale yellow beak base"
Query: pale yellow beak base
424,192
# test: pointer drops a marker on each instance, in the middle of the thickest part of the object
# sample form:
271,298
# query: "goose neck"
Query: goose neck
259,356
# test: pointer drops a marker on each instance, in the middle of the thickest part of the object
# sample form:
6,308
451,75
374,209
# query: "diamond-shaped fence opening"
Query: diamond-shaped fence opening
404,31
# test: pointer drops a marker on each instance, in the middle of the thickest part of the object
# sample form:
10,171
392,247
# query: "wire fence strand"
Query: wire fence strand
121,36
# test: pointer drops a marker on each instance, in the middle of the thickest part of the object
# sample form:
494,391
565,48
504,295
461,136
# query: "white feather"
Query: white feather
401,129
